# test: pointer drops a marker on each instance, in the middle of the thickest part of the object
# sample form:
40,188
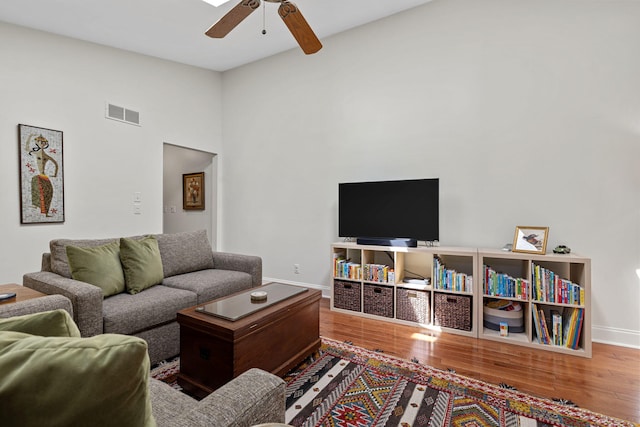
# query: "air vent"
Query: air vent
122,114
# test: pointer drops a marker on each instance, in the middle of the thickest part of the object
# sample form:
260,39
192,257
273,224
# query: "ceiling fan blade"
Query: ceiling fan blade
235,16
299,27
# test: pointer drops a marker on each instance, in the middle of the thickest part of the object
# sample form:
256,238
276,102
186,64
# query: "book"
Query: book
536,322
543,327
504,329
556,318
575,340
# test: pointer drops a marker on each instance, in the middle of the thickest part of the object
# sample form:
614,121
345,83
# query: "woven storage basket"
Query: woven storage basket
378,300
346,295
413,305
452,311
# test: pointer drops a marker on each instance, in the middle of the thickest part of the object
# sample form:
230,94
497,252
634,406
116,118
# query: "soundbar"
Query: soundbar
405,243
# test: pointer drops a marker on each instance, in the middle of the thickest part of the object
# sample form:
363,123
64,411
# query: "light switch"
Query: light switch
137,197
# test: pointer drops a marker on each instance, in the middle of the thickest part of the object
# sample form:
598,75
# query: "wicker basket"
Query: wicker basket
346,295
413,305
378,300
452,311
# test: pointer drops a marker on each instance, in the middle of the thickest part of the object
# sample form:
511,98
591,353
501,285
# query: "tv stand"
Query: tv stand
459,286
380,241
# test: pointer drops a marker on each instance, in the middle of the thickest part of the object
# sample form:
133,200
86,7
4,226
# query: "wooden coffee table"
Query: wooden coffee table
22,293
274,335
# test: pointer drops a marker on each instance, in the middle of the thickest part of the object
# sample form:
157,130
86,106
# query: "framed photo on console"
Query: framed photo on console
532,240
193,191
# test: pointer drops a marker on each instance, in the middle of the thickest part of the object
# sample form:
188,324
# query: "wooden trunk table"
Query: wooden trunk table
226,337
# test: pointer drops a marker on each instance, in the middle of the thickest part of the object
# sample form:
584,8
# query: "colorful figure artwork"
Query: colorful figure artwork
41,177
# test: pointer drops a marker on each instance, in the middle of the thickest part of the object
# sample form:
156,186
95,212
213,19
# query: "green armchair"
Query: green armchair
51,376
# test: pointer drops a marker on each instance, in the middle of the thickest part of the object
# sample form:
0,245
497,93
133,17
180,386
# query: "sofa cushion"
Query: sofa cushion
99,266
53,381
141,263
210,284
55,323
185,252
128,314
58,248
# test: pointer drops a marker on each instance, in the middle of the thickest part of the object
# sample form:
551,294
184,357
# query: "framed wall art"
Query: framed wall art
41,175
531,240
193,191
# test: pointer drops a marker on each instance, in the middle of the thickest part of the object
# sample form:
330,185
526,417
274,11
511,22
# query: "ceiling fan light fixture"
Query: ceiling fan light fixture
291,16
216,3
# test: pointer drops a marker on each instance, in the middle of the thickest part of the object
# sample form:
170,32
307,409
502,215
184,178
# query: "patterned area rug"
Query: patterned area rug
167,371
346,386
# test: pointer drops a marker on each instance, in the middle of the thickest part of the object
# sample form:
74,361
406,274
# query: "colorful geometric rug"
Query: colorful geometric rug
167,371
346,386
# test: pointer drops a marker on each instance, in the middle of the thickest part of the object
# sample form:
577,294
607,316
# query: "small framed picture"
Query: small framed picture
531,240
193,191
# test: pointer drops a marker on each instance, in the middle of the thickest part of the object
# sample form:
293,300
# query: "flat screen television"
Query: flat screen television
391,213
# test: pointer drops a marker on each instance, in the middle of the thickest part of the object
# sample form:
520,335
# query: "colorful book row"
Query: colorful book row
549,287
503,285
450,280
345,269
379,273
558,327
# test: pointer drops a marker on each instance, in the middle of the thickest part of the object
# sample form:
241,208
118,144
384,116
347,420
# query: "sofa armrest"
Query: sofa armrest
254,397
238,262
86,299
36,305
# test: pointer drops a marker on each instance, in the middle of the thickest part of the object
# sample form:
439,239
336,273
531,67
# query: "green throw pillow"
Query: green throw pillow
97,381
141,263
56,323
99,266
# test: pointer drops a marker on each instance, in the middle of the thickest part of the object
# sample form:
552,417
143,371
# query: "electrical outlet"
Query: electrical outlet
296,268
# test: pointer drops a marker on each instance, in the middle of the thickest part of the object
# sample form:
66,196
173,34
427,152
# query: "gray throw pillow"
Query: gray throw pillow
185,252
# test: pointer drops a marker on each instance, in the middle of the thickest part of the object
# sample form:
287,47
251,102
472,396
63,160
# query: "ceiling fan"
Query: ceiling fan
289,13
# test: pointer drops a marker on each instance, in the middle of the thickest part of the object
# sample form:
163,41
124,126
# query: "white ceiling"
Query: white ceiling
174,29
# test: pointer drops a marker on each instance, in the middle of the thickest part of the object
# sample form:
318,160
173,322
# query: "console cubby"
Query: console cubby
402,290
379,266
555,284
447,288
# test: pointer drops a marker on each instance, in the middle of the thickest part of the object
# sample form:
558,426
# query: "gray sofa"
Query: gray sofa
252,398
193,274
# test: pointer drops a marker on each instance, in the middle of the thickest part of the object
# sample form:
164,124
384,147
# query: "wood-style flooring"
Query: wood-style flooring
608,383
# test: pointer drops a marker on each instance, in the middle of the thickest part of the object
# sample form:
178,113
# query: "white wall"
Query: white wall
528,112
59,83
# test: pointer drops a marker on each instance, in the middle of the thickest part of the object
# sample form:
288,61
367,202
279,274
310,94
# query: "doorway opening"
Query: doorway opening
178,161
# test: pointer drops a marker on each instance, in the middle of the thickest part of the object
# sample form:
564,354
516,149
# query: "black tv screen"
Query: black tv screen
389,209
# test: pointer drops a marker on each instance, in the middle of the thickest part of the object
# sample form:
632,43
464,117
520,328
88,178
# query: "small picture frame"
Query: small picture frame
193,191
532,240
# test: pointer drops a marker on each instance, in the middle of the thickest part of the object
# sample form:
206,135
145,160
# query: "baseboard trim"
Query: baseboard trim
615,336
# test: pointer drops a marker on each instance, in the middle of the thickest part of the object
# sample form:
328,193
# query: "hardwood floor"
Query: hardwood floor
608,383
